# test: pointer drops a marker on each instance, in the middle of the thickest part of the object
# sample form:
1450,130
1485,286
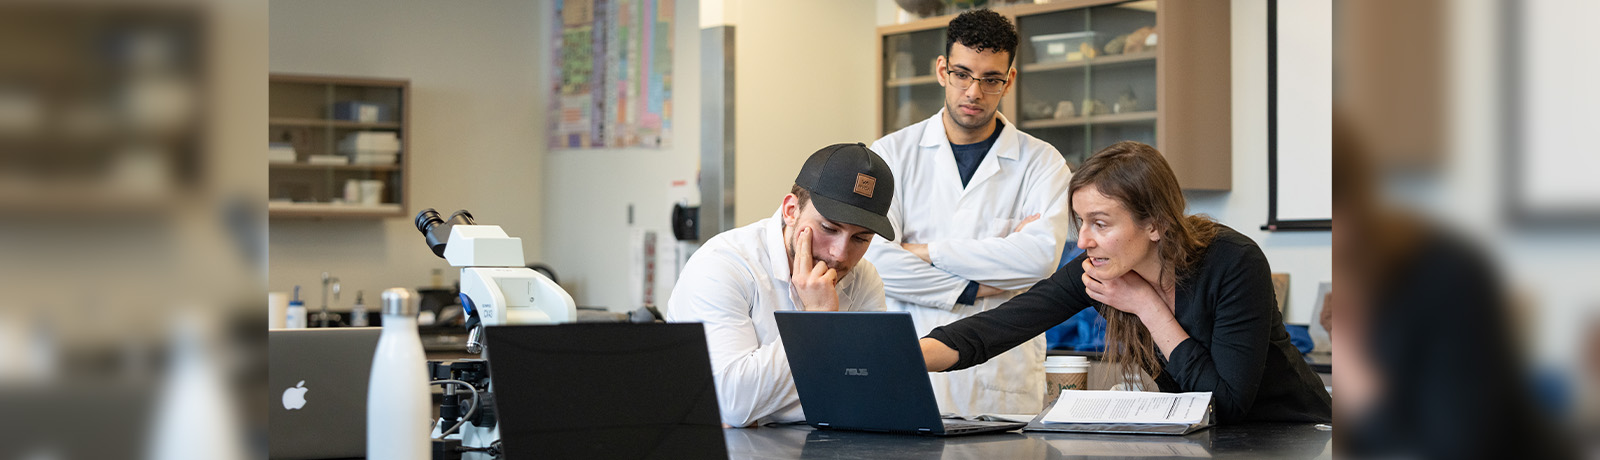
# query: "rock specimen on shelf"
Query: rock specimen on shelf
1038,109
1127,102
1092,107
1065,110
1114,46
1136,40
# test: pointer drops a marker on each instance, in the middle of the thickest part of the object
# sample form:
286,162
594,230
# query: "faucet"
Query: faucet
326,282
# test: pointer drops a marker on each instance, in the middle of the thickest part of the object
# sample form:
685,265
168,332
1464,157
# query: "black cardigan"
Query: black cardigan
1237,348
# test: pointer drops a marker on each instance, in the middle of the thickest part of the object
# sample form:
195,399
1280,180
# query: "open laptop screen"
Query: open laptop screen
859,370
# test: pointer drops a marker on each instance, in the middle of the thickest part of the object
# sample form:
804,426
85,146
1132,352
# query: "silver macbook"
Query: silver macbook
317,391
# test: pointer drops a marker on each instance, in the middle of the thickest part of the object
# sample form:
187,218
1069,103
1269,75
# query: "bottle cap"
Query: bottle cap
397,301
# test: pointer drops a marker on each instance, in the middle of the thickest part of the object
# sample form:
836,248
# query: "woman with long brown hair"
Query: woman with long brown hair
1187,300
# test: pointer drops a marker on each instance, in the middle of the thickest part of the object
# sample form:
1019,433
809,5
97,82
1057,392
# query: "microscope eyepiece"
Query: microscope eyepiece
436,231
427,219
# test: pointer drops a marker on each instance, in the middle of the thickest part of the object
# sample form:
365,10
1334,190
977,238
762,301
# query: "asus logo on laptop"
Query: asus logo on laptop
860,371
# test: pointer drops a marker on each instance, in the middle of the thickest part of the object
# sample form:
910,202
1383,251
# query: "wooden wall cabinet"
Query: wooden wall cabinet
313,115
1173,92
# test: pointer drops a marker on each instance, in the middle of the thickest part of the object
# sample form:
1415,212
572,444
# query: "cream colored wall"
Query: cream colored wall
587,192
476,124
805,80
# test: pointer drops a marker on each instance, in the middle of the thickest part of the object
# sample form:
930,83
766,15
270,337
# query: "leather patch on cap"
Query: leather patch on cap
864,185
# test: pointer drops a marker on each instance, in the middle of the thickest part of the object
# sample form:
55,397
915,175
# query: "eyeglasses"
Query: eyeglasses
963,80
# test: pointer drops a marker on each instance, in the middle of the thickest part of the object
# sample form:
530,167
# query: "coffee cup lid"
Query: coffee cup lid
1066,360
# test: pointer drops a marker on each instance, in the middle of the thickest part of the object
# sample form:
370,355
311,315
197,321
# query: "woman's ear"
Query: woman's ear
1153,231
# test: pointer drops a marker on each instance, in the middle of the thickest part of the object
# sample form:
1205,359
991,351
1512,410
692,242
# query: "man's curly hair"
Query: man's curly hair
982,30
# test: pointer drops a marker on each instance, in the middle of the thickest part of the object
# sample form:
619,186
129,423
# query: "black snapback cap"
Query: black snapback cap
850,184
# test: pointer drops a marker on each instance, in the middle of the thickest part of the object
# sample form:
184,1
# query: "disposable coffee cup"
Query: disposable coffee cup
1064,373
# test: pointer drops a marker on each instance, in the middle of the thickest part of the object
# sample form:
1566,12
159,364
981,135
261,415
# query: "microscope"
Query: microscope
497,289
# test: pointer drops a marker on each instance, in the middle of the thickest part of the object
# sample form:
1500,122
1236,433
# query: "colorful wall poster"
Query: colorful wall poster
612,82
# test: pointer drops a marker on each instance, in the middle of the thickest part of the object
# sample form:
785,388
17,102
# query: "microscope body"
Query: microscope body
498,289
519,295
496,283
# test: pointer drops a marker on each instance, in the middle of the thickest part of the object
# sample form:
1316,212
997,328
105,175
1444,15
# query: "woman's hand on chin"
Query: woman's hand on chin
1129,293
1132,294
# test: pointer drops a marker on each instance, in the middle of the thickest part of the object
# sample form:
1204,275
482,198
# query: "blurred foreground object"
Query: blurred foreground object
1468,228
194,416
100,105
130,185
1428,363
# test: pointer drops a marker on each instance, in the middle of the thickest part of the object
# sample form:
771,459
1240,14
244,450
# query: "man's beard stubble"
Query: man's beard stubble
954,111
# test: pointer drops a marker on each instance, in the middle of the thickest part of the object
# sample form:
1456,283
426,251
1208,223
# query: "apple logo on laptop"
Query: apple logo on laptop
295,397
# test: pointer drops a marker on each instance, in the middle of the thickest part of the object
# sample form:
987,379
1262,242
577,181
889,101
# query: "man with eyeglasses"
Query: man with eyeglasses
981,213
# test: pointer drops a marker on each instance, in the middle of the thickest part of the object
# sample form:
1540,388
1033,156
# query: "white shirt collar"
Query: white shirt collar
933,135
777,254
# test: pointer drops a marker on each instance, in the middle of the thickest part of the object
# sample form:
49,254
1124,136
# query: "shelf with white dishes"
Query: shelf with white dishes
302,117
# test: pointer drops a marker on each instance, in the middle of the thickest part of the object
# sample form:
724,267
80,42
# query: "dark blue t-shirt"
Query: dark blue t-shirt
970,155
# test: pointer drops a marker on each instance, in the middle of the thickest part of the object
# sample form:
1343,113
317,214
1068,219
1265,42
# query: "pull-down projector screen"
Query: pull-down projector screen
1300,115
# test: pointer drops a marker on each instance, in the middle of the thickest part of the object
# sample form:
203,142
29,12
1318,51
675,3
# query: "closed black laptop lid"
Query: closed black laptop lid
859,370
605,390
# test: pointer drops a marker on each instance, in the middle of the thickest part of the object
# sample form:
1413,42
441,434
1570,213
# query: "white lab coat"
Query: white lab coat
732,284
969,236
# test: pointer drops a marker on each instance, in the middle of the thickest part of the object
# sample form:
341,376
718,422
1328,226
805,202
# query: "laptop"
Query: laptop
605,390
317,391
864,371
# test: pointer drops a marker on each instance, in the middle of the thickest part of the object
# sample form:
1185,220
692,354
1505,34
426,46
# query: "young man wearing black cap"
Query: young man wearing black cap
807,256
982,207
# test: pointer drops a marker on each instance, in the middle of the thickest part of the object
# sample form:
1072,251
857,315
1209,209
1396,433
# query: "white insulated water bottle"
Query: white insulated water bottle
398,416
